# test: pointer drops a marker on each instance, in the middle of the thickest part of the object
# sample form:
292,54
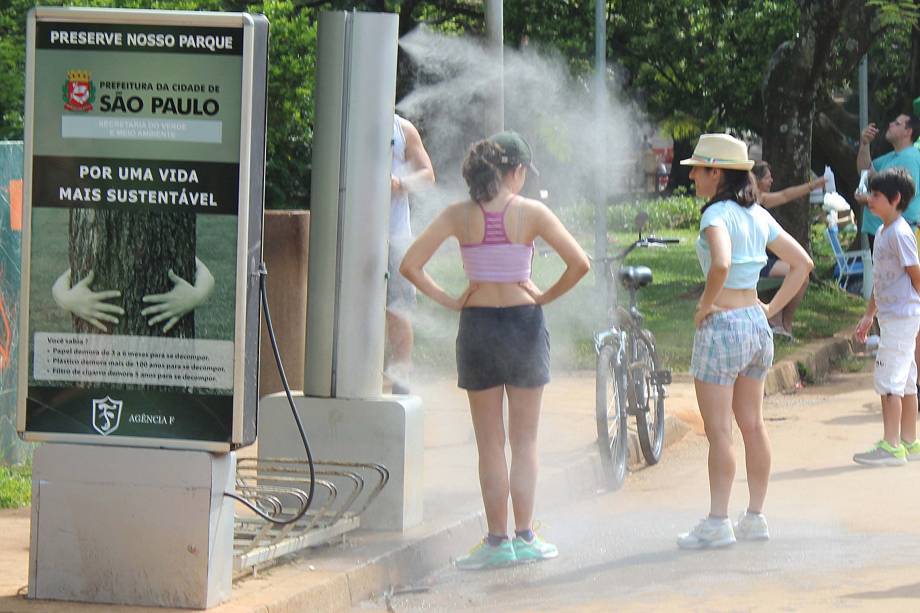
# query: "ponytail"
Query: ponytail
483,171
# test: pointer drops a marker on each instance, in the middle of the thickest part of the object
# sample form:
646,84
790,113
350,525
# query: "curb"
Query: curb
813,362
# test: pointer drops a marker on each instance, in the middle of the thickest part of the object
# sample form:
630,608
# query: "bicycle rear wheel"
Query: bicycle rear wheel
611,418
647,391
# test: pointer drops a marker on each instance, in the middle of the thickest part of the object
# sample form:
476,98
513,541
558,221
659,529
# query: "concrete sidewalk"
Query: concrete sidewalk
336,577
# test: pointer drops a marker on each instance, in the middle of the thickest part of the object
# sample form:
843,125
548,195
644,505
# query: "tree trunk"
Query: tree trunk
790,93
680,175
832,147
133,252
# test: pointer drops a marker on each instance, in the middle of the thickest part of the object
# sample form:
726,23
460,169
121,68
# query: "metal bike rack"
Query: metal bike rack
280,486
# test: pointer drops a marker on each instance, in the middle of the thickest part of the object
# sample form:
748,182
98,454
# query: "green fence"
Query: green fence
12,450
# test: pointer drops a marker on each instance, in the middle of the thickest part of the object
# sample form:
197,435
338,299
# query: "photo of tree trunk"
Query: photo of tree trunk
133,252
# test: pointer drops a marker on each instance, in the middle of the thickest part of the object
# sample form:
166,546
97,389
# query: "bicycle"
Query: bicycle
629,377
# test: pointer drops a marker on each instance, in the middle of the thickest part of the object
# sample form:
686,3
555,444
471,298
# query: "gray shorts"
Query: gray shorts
400,292
502,346
733,343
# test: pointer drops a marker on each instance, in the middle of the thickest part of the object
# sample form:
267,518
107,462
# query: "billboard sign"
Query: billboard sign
144,156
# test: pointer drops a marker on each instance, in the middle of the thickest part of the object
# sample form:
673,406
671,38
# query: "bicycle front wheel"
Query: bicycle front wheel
648,394
611,418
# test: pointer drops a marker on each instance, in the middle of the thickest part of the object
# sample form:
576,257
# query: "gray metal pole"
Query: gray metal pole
863,116
495,29
864,92
600,108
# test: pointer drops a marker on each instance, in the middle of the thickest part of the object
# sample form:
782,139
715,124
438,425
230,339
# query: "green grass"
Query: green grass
15,486
853,363
668,303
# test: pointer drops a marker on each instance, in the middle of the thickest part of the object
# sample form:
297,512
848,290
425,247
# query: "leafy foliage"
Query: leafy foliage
15,486
896,12
694,65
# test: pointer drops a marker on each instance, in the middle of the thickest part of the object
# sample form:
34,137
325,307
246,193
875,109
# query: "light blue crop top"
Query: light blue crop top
750,230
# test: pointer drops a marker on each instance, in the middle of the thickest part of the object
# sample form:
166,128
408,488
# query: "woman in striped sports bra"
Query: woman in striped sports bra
502,342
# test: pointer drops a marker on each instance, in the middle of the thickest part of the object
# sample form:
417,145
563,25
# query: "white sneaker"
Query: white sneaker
708,534
752,527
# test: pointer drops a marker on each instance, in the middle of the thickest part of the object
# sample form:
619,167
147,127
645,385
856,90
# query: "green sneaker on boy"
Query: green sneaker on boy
912,450
883,454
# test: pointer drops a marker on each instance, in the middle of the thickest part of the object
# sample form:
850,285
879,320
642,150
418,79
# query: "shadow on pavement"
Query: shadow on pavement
817,473
578,575
901,591
855,420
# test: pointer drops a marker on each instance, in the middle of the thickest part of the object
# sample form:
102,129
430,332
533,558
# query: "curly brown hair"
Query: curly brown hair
483,170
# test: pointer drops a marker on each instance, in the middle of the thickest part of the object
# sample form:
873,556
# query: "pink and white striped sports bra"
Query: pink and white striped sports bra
496,259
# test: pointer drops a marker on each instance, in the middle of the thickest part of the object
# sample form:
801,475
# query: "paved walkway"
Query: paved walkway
844,536
336,577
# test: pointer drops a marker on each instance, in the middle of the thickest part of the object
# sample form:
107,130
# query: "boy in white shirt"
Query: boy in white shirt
896,302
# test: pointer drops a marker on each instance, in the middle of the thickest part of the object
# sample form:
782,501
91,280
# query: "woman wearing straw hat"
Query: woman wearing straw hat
733,345
502,343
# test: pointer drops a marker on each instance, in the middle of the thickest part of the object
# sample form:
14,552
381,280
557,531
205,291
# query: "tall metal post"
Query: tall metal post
600,109
356,87
495,27
342,407
863,116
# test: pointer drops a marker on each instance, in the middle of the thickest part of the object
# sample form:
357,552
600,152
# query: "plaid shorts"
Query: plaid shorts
732,343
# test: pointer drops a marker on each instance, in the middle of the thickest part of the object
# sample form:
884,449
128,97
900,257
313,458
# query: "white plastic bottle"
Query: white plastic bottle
831,186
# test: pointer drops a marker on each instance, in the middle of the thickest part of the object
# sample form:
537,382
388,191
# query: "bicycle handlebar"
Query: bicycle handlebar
642,242
648,241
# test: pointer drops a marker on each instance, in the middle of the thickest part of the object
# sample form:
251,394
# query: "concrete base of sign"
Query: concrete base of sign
131,526
388,430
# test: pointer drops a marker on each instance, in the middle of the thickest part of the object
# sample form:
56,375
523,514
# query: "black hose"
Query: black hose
263,293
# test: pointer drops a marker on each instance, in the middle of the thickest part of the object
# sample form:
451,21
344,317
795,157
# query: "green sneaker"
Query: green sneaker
883,454
912,450
533,551
484,556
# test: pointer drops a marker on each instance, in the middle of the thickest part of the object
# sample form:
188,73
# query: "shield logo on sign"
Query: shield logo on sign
79,91
106,415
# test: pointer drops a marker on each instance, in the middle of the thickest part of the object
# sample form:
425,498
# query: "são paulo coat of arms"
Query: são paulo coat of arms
79,92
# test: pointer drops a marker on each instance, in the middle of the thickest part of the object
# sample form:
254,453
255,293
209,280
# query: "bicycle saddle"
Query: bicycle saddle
635,276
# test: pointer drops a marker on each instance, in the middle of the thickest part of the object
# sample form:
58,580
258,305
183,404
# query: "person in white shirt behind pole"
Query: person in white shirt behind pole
411,171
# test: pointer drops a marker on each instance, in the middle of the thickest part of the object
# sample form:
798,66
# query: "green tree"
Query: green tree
830,39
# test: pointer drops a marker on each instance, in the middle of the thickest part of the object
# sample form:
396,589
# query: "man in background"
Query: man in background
901,134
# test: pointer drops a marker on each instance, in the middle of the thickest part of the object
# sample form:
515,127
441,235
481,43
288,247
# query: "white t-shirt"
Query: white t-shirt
399,202
750,229
895,248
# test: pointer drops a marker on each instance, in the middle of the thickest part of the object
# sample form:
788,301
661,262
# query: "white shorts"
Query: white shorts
895,369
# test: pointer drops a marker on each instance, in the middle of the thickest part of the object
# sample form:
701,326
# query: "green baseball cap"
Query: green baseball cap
515,150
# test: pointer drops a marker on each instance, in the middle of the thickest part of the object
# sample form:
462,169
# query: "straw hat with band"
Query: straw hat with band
515,150
720,151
